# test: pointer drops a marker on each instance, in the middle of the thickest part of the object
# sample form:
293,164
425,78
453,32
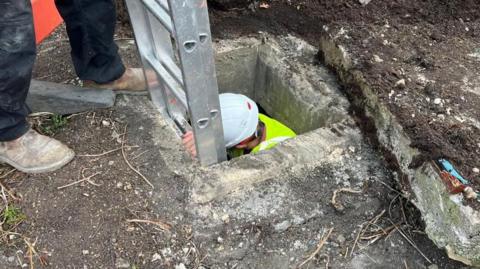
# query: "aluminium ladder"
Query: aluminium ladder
174,41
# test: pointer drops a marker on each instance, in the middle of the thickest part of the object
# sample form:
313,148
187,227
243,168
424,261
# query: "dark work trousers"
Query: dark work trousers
90,27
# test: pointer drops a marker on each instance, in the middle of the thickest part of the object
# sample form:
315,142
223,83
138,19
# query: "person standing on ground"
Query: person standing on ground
90,26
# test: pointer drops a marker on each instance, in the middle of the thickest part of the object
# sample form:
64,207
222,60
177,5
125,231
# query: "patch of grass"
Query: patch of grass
53,124
12,216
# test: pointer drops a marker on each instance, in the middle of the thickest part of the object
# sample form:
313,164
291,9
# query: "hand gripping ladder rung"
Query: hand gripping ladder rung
174,41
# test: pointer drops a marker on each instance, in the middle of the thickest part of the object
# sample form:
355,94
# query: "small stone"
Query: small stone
105,123
122,264
441,116
166,252
400,84
156,257
437,101
226,218
364,2
476,170
282,226
85,252
377,59
340,239
111,163
180,266
127,186
470,193
220,240
432,266
391,94
119,185
11,259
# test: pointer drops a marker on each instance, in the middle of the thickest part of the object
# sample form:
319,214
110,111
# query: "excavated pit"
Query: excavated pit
283,77
283,88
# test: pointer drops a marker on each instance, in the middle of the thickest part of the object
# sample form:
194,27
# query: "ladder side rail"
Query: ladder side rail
145,41
204,111
205,36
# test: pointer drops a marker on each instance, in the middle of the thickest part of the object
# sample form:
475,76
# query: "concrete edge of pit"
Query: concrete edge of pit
306,151
288,159
450,224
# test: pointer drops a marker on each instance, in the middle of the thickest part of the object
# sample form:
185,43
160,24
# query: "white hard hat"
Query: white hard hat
239,117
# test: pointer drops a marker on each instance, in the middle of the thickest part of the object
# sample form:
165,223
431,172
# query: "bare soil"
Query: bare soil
426,43
85,225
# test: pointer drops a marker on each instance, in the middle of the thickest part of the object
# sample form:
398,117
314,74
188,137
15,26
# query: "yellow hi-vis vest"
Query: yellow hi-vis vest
276,132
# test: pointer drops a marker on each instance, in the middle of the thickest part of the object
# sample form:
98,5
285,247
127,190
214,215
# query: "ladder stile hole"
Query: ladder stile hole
213,113
202,123
203,38
190,45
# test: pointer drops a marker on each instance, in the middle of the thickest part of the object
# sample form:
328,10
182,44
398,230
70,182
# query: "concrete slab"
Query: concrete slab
66,99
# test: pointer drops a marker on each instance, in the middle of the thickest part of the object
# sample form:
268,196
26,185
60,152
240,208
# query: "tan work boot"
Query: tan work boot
35,153
132,80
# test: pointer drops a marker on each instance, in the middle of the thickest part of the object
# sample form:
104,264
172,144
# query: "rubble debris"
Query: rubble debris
400,84
364,2
470,193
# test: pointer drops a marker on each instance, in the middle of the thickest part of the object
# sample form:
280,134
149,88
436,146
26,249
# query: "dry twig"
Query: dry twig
30,251
410,242
8,173
317,250
87,179
163,225
338,205
363,230
10,193
128,163
105,153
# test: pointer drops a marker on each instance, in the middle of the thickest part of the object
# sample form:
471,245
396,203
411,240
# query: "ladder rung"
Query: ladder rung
160,13
164,5
171,83
173,69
